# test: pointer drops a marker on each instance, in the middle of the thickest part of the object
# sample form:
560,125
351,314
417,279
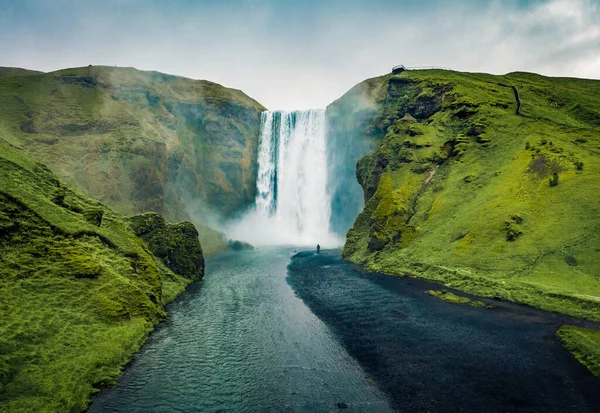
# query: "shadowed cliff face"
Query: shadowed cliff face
350,136
139,141
463,190
356,124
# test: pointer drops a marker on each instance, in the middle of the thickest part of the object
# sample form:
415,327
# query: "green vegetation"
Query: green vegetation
138,141
468,192
176,245
460,194
17,71
455,299
79,291
584,344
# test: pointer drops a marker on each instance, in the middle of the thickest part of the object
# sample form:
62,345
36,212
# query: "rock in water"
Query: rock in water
240,245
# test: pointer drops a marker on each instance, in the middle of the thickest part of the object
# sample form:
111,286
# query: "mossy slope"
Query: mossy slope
584,343
138,141
79,291
467,192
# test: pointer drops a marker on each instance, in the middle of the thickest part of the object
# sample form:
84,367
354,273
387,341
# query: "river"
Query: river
241,341
253,337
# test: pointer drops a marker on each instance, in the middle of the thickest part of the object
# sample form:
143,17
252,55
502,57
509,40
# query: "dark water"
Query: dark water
429,355
241,341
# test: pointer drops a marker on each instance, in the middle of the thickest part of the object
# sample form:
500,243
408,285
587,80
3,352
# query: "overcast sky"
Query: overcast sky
304,53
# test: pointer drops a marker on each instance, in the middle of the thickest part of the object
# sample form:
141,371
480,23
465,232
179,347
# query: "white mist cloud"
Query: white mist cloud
259,229
291,55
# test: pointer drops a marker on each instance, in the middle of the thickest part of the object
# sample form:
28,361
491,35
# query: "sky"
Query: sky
304,53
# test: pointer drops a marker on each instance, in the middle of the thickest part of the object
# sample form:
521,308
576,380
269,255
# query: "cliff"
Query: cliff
464,190
138,141
351,134
79,290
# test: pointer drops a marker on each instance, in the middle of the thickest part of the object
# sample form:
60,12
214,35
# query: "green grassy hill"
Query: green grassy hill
81,286
137,141
17,71
467,192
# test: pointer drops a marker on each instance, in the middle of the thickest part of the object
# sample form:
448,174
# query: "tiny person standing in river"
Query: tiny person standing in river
318,248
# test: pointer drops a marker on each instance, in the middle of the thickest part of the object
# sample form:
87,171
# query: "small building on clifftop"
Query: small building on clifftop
398,69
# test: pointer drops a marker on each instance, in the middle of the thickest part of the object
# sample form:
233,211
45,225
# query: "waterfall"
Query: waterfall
292,203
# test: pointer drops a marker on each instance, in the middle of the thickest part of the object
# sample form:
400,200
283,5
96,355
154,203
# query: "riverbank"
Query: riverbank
430,355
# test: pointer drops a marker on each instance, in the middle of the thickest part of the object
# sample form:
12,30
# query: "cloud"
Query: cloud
303,54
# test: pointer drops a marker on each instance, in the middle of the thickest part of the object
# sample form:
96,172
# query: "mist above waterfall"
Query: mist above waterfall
293,205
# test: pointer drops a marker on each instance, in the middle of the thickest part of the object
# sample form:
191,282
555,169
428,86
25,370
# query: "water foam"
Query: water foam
292,204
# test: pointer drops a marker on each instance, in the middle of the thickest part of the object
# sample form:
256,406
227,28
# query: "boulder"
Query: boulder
236,245
177,245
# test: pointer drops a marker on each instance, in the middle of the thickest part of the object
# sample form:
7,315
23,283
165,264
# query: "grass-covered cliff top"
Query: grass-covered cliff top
183,88
80,286
17,71
488,184
468,192
137,141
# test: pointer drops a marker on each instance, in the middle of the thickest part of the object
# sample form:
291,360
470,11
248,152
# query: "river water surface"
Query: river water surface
258,336
241,341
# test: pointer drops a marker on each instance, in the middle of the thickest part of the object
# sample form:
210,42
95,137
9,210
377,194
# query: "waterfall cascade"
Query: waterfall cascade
292,202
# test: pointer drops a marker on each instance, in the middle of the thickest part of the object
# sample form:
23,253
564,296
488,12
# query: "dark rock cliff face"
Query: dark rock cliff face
138,141
356,124
350,136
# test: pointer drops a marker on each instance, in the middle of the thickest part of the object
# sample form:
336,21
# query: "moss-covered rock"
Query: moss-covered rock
176,245
79,290
236,245
455,299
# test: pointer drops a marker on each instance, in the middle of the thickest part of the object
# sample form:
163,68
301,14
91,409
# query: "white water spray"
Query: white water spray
292,203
